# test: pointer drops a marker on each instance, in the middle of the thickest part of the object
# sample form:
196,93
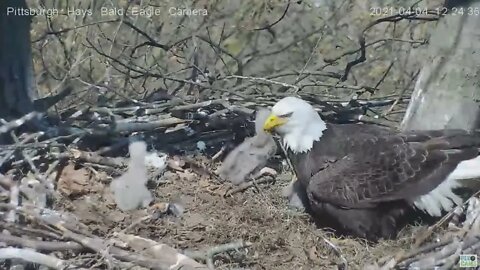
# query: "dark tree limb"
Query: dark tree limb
277,21
394,18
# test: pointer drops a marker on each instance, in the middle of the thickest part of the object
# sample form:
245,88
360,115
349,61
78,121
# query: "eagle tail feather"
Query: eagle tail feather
467,169
427,203
441,198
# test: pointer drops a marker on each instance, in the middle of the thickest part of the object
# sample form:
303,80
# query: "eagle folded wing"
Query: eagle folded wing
387,169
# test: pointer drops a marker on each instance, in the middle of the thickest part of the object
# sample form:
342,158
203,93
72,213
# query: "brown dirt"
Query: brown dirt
282,238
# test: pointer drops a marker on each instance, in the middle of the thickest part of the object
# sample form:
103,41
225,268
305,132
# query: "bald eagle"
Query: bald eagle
363,179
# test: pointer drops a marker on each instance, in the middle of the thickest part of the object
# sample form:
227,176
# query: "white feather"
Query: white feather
442,197
467,169
304,126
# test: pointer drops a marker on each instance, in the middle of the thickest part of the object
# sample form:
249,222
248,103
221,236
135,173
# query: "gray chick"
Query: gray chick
247,159
129,189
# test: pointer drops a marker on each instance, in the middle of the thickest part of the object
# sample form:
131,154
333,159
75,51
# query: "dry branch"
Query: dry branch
97,244
39,245
413,16
129,127
159,251
444,251
211,252
33,257
244,186
7,126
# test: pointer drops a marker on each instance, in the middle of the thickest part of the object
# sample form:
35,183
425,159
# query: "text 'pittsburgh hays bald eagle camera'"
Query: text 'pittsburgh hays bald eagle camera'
363,179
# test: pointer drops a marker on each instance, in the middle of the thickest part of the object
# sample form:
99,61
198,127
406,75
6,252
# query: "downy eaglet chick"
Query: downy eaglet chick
247,159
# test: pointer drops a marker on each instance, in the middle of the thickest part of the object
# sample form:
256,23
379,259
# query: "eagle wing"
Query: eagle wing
390,168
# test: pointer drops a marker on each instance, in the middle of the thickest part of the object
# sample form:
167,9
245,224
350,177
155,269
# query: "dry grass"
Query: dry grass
282,238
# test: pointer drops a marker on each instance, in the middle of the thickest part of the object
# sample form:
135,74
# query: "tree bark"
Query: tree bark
17,86
447,91
17,82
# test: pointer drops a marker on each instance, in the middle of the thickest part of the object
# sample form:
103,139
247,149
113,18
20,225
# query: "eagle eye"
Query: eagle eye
286,115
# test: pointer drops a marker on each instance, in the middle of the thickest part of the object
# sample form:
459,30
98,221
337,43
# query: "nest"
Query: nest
57,210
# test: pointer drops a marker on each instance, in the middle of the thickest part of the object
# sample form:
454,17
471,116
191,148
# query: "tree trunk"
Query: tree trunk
447,91
17,83
17,86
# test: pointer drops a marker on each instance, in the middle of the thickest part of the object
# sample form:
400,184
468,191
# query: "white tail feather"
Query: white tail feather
467,169
442,197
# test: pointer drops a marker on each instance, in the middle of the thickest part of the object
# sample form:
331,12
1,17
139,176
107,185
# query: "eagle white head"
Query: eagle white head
296,122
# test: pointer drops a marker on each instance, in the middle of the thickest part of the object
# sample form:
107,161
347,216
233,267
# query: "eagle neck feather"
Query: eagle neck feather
301,140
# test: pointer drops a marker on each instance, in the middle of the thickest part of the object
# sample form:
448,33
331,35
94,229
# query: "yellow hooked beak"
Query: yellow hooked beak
272,122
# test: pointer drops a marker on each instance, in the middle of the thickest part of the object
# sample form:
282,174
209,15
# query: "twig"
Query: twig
356,50
40,245
406,259
201,170
296,88
92,158
33,257
199,105
247,185
14,202
119,127
35,170
210,253
20,121
337,251
392,18
18,229
400,95
371,120
224,248
135,223
278,20
450,261
312,53
384,75
5,182
64,30
150,42
142,73
219,153
25,140
163,253
420,239
93,243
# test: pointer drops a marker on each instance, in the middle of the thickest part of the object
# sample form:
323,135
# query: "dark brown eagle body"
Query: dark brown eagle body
365,178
